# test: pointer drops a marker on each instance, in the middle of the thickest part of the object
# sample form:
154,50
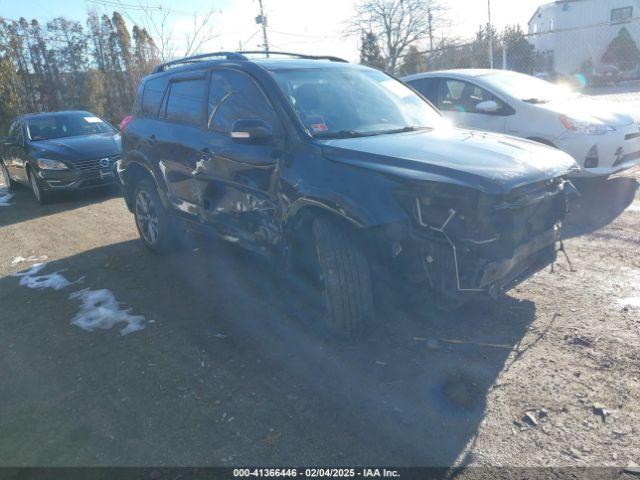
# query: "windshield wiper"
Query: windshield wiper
341,134
356,134
409,128
535,101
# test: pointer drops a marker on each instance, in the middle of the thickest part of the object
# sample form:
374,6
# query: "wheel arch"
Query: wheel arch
138,168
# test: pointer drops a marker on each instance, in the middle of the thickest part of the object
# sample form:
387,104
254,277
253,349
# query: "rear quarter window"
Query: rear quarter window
152,95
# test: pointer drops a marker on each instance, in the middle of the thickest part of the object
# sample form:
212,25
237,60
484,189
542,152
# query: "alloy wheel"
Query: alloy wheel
34,186
5,176
146,217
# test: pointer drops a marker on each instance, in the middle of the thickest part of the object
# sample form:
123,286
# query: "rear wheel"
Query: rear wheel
152,219
345,278
42,196
9,183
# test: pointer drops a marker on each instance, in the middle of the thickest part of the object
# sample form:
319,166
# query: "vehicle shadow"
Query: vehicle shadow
23,206
600,203
236,369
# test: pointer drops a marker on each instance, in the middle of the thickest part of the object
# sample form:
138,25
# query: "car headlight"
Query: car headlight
48,164
585,126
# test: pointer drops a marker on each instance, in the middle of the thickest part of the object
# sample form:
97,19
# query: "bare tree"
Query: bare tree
158,22
398,24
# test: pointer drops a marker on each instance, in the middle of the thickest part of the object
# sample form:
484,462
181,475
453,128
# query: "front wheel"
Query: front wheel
152,219
42,196
345,278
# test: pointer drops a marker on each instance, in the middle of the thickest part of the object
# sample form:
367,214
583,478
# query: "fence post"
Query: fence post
505,45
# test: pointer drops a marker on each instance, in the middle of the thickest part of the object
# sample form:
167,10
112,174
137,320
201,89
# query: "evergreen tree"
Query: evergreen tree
414,62
622,51
370,51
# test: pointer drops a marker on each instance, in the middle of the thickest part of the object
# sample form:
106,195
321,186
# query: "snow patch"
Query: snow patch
32,258
101,310
5,196
630,302
634,207
31,279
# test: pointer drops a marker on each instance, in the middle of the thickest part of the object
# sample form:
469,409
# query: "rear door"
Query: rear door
458,99
179,139
238,180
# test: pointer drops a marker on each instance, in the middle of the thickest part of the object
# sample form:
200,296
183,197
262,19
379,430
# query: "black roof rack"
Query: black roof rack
295,55
199,58
240,56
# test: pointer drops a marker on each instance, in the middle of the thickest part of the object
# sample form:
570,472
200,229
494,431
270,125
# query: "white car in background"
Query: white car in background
602,137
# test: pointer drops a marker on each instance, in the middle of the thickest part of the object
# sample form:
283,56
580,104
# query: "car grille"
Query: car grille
632,136
94,164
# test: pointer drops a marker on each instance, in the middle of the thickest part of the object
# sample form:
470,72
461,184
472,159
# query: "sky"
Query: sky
304,26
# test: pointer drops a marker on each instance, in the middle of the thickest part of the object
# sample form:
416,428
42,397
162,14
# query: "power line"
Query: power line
141,8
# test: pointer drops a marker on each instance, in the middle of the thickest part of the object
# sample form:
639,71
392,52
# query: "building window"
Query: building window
621,15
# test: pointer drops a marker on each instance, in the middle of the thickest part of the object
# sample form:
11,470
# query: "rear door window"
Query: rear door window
152,96
185,103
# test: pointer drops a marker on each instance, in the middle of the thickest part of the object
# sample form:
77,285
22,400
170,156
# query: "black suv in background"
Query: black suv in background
57,151
335,166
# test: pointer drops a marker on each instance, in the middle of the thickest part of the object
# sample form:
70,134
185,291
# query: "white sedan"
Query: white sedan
602,137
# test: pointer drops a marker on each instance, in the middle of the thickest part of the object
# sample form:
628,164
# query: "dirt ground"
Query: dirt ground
231,367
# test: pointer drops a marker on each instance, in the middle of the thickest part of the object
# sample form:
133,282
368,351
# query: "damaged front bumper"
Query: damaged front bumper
489,252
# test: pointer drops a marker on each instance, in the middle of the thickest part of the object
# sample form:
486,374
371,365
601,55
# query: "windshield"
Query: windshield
527,88
354,102
65,125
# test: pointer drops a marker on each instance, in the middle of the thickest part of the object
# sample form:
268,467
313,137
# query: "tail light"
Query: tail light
125,122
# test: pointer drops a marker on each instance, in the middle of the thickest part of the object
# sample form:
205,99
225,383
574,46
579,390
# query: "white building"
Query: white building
570,32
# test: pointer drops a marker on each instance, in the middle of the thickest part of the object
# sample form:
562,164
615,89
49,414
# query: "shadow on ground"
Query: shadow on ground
600,203
235,369
24,206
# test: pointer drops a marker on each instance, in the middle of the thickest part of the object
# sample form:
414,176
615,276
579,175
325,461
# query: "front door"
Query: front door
237,181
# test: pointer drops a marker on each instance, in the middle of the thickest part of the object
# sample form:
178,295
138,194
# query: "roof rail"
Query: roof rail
295,55
199,58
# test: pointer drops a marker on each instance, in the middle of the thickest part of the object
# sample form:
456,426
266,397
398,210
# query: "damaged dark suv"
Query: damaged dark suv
336,167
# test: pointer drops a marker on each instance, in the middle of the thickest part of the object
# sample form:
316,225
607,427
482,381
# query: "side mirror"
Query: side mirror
490,106
252,132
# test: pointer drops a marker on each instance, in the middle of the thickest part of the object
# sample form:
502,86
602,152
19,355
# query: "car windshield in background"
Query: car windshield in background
527,88
49,127
346,102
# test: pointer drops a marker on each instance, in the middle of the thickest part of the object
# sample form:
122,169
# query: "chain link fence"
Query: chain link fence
601,53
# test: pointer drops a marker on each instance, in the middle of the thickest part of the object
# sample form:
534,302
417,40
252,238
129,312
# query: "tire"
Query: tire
9,183
152,219
42,196
345,279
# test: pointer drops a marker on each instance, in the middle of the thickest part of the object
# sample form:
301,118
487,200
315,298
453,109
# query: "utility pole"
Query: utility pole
490,35
262,20
430,30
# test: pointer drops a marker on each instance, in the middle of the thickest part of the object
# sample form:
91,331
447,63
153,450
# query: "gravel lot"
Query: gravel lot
231,368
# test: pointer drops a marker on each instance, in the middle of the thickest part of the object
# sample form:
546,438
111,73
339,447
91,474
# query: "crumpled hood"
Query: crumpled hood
83,147
612,114
488,162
